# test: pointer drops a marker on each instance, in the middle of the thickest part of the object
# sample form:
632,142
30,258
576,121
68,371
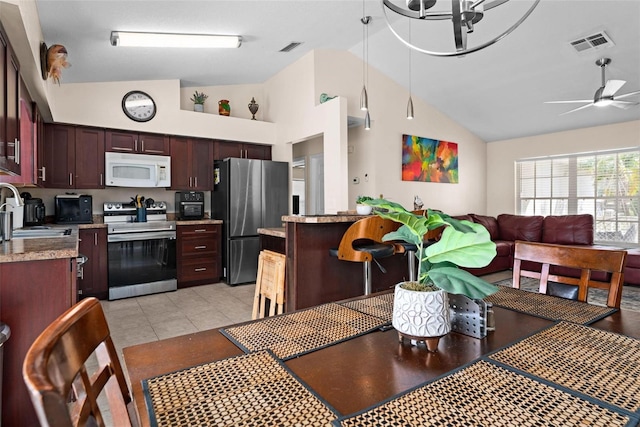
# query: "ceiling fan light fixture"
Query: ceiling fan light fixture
140,39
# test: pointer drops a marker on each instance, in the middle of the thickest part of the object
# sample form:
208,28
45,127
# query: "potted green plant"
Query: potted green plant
198,100
421,308
361,207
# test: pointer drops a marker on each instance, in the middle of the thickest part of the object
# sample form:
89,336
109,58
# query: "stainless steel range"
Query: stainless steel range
141,256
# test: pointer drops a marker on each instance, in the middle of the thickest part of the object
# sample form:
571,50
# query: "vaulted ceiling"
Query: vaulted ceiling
497,93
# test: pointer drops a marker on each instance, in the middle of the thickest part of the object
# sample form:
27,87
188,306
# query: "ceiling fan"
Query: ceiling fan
604,96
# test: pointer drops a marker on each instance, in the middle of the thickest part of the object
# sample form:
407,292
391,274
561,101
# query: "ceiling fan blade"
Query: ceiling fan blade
577,109
582,101
612,87
624,104
627,94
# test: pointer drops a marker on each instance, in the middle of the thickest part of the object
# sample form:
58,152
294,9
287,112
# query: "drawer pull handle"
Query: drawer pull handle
201,247
200,230
200,269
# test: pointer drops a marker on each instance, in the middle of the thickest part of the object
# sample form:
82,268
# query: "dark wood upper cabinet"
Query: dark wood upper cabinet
9,107
3,102
89,158
242,150
135,142
73,157
59,155
191,163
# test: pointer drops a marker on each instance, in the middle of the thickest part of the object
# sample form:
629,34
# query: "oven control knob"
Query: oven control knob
118,205
109,205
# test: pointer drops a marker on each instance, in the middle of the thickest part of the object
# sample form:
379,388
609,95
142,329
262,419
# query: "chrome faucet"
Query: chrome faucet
15,191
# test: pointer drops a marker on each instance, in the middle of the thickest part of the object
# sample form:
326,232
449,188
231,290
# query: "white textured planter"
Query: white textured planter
363,209
421,316
198,107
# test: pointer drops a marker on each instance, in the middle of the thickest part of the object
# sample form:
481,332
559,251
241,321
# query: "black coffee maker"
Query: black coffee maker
34,211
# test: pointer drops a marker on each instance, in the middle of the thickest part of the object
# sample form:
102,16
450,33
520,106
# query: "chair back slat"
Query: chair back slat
62,377
586,259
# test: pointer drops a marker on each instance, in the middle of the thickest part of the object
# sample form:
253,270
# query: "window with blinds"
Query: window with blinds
603,184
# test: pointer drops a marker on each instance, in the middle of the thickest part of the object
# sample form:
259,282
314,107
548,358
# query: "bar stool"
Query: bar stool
362,242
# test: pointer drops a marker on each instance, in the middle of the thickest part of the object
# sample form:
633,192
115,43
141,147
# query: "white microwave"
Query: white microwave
137,170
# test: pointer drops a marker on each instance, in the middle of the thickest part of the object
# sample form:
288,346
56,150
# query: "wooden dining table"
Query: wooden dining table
357,373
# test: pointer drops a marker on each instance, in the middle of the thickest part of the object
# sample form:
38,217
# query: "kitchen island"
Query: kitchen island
314,276
37,284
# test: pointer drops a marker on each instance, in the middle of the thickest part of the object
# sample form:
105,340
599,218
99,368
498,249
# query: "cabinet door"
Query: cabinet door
202,164
93,281
3,97
41,170
256,151
89,158
59,156
180,167
149,143
226,149
13,114
121,141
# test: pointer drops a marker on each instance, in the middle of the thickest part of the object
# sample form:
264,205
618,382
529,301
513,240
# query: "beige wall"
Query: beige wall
502,155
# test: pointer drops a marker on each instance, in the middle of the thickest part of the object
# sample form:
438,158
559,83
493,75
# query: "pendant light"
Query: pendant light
410,102
364,97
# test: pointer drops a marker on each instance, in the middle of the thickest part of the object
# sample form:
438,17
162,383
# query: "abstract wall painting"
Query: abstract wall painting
429,160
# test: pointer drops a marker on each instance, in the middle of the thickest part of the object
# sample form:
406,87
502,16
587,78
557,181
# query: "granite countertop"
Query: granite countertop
315,219
37,249
275,232
198,221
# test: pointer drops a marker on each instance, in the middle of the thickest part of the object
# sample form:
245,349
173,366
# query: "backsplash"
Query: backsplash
111,194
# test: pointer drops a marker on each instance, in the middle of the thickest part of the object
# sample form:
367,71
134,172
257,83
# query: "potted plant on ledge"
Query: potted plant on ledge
198,100
361,207
421,309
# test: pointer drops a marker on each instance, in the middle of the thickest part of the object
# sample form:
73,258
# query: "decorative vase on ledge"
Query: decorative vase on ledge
198,107
224,109
253,108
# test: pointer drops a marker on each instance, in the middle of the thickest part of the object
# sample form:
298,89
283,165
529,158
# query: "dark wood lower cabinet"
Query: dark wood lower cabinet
93,280
32,295
198,254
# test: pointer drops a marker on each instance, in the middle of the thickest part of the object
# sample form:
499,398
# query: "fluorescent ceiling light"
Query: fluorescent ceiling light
123,38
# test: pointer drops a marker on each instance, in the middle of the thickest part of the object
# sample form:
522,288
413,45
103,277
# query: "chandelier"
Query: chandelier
464,15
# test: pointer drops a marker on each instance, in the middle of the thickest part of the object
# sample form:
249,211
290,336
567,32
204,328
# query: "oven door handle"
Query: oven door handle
145,235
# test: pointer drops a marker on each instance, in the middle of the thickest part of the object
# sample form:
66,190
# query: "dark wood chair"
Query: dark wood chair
64,390
586,259
269,284
362,242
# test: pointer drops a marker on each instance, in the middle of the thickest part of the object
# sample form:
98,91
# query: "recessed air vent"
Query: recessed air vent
290,47
598,40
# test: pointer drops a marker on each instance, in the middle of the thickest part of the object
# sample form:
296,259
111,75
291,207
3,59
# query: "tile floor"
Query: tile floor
155,317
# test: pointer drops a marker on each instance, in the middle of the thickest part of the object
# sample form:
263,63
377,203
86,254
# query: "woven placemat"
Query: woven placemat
300,332
484,394
597,363
380,306
254,389
548,307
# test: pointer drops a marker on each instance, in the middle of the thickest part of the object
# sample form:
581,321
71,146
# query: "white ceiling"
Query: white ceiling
497,93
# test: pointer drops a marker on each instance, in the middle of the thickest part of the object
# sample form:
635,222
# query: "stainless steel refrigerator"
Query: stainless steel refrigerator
248,194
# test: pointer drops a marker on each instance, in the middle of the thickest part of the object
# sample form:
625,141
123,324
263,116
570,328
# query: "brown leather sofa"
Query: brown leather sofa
564,230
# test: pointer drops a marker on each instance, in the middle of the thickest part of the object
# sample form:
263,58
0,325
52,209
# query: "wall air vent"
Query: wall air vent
290,47
598,40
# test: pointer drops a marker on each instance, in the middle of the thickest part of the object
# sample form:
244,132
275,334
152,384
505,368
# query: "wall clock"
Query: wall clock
138,106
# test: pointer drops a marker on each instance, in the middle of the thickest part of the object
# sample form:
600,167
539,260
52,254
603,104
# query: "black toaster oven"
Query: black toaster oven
190,205
74,209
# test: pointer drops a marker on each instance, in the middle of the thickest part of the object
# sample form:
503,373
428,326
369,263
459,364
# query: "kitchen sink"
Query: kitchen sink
40,232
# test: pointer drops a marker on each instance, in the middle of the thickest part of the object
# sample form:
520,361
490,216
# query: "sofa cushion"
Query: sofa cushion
633,258
490,223
568,229
465,217
520,227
